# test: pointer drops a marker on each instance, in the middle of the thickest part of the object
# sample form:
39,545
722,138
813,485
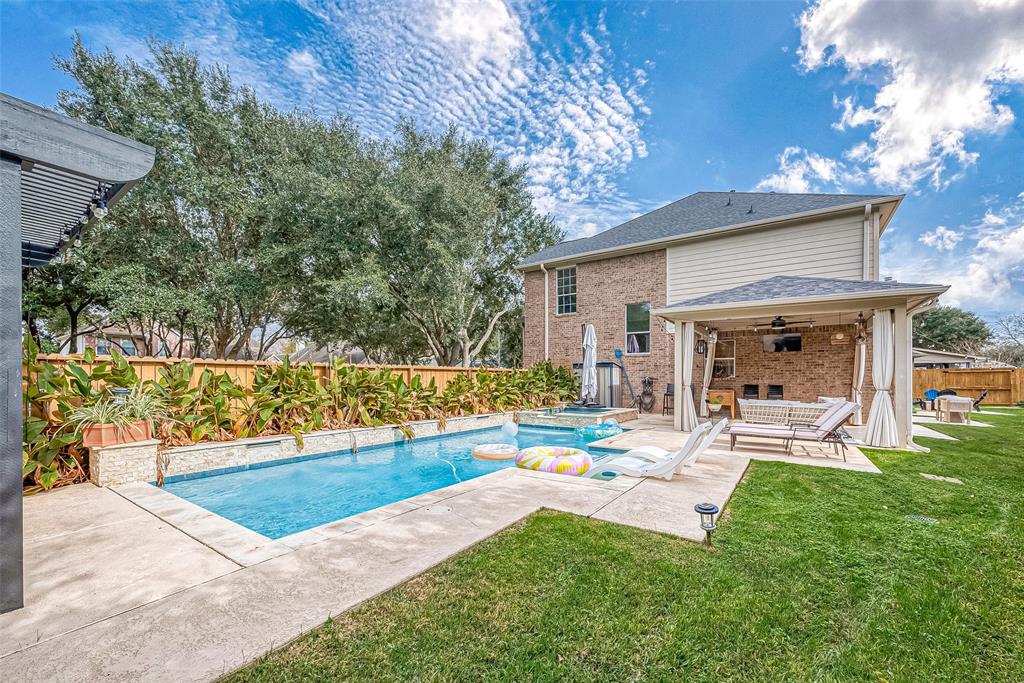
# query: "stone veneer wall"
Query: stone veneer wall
603,290
115,465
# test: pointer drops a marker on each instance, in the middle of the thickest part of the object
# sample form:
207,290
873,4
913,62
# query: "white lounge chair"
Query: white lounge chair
664,468
827,429
655,454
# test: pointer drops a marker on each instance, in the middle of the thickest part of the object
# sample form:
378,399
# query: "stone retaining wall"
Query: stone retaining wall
115,465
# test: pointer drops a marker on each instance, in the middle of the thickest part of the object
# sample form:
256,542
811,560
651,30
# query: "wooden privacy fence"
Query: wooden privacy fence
1005,385
243,371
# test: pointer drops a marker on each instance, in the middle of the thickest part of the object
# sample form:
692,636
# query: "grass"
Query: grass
817,576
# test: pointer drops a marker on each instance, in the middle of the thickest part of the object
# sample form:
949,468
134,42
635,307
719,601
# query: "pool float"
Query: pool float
555,459
597,431
510,429
495,451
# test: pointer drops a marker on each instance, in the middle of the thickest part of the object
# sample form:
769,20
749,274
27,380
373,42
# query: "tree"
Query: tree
201,222
458,220
1009,340
948,328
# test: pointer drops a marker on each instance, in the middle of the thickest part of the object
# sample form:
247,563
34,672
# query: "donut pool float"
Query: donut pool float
495,451
554,459
598,431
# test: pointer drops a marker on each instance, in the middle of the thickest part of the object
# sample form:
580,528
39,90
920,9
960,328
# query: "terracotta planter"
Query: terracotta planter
101,435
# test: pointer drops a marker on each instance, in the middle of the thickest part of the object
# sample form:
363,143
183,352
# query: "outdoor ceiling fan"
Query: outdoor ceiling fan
778,323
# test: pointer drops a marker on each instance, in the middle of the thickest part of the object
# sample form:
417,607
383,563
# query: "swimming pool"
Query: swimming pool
281,499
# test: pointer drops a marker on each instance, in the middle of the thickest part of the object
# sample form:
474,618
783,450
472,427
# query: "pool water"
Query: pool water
283,499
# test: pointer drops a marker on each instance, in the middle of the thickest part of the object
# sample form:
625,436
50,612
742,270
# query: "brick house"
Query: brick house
785,288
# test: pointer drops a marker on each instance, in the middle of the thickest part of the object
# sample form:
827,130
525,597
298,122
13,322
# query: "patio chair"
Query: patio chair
977,402
668,400
664,468
827,429
655,455
946,392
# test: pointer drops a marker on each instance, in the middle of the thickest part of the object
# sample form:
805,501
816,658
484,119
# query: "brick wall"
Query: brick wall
605,287
820,368
603,290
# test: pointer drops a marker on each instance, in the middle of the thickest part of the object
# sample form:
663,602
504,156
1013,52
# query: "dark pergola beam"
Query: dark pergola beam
46,162
11,569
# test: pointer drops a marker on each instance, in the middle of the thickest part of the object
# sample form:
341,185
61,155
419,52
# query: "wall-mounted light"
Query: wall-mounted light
701,347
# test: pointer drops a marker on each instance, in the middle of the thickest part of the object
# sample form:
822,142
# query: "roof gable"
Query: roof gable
700,212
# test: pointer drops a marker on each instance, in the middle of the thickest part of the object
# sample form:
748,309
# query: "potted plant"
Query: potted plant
715,404
118,420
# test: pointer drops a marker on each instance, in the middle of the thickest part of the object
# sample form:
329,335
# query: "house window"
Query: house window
565,283
725,360
127,344
638,328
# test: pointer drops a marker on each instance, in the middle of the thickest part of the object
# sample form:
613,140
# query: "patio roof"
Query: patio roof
798,294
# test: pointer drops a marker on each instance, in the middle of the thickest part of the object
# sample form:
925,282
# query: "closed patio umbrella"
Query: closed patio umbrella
588,378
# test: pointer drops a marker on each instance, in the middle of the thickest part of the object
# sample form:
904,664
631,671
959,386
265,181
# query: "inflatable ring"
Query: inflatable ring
597,431
555,459
495,451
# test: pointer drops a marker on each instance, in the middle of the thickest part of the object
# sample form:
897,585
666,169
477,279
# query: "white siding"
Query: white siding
822,248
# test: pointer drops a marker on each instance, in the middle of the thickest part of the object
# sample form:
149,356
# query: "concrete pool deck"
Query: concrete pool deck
130,585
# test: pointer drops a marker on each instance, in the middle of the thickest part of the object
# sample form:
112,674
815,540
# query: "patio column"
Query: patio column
902,390
881,429
685,415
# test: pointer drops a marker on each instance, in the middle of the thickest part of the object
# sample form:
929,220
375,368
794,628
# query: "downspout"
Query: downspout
547,295
867,243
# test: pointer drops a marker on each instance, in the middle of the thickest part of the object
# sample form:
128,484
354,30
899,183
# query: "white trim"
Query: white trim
870,294
667,241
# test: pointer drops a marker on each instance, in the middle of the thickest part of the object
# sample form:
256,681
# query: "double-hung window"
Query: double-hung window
638,328
565,288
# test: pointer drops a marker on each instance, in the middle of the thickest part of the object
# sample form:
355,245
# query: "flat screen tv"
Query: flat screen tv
782,343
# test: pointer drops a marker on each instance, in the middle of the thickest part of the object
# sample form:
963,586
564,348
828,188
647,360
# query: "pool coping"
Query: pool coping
246,547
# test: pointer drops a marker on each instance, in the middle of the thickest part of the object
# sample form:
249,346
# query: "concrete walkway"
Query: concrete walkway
137,584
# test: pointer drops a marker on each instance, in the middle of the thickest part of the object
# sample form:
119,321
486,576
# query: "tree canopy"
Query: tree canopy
948,328
257,225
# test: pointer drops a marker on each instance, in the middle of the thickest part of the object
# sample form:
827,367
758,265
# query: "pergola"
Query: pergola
56,176
889,307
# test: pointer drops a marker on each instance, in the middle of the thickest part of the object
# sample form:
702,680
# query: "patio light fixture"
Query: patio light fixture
707,512
701,347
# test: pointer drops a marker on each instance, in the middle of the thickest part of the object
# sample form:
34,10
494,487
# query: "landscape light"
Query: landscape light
707,512
120,396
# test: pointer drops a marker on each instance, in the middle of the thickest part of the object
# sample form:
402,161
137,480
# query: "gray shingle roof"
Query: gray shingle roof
792,287
698,212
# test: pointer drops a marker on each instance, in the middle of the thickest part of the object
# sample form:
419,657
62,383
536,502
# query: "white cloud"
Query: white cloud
306,67
804,171
984,266
573,115
942,238
943,67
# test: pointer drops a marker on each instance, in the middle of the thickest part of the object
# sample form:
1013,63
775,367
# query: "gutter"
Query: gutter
872,294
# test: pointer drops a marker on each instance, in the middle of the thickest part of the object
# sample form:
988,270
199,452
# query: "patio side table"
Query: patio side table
946,406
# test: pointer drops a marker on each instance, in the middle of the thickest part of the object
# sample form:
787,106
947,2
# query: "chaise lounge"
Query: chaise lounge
649,462
827,429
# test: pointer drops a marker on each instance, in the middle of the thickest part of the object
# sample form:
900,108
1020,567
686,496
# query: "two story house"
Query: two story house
733,295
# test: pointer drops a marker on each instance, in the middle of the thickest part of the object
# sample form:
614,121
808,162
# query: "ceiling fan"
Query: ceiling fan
778,323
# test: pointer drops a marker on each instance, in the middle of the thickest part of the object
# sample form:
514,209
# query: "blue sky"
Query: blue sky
621,107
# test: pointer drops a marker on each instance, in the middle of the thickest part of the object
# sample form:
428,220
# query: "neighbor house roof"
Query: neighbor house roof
792,289
702,212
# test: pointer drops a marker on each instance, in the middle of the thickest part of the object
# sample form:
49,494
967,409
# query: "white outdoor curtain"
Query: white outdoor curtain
860,355
685,398
881,429
709,363
588,377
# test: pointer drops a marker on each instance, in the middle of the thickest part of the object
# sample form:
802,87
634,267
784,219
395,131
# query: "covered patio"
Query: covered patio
796,342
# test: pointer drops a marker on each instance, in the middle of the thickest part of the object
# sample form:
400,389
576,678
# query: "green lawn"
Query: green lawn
817,576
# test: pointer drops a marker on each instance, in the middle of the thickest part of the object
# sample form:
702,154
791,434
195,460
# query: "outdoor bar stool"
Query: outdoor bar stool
668,400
